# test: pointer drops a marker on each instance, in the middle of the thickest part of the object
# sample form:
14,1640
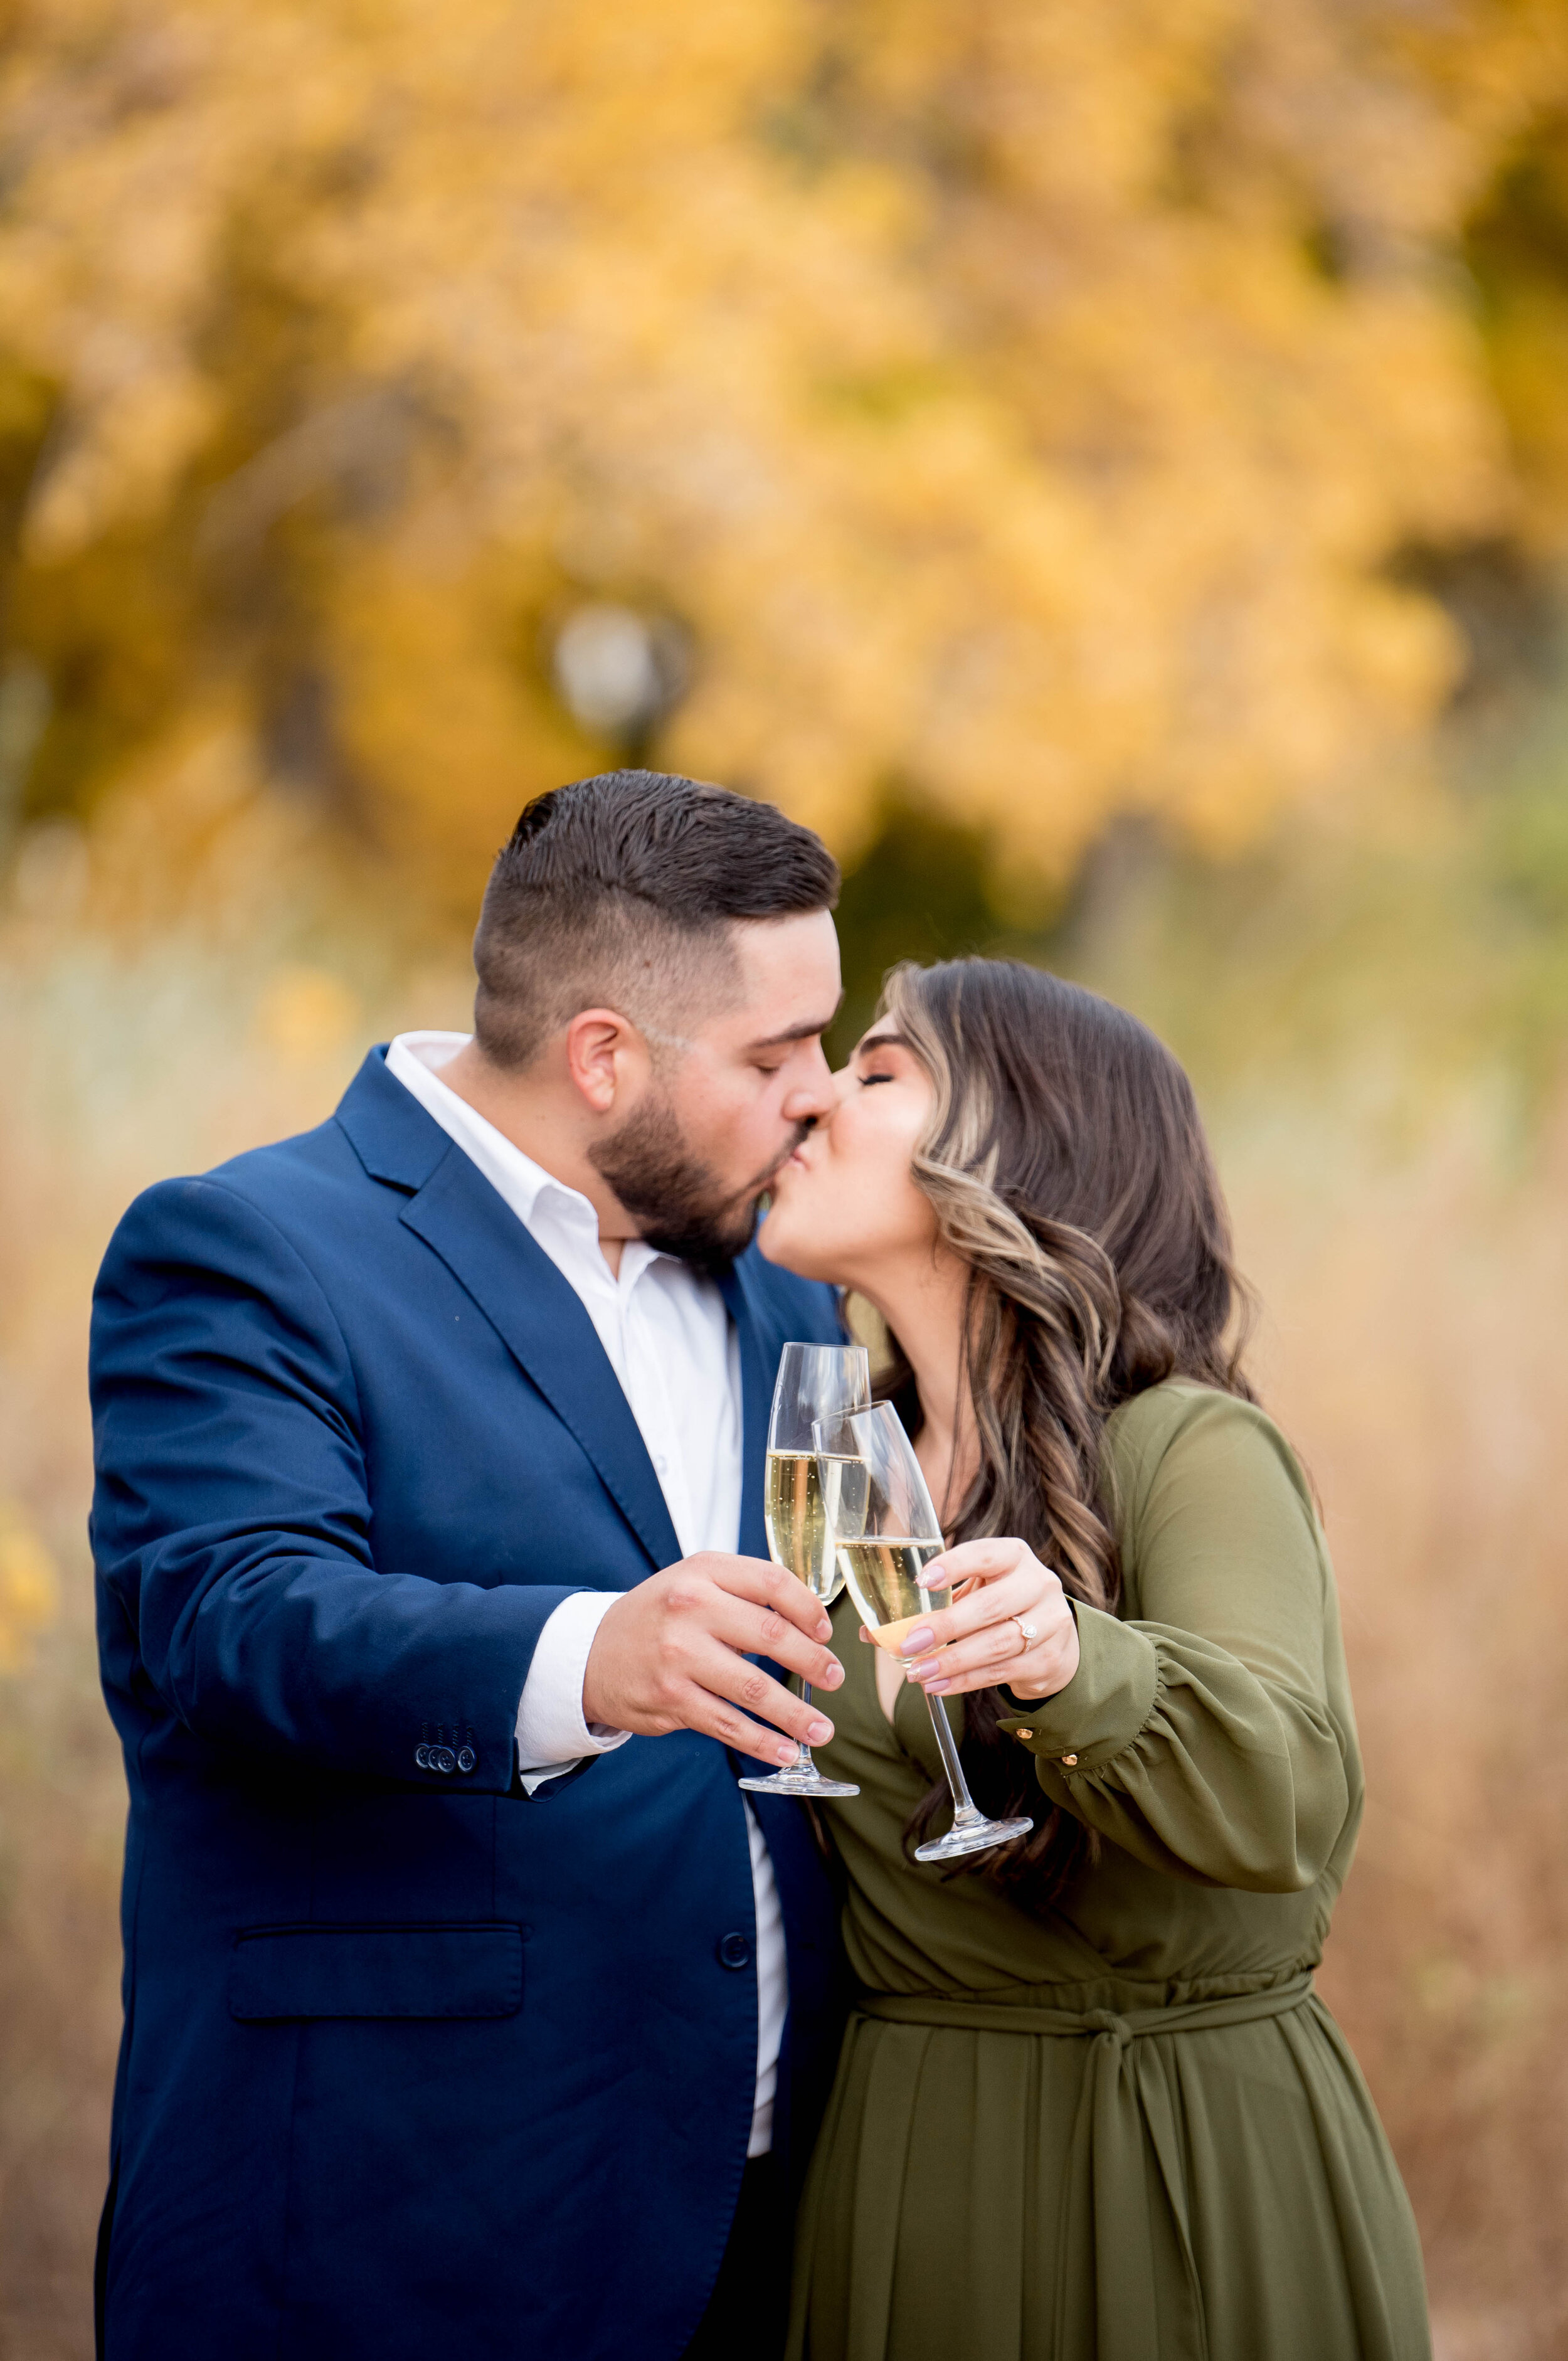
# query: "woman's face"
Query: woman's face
845,1205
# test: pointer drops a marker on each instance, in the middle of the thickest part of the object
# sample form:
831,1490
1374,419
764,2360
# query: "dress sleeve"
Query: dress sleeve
1205,1738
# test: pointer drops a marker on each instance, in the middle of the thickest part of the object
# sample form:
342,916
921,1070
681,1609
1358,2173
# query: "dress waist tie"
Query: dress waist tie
1108,2297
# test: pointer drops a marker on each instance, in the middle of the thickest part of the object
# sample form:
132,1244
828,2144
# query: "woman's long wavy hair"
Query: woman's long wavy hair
1067,1169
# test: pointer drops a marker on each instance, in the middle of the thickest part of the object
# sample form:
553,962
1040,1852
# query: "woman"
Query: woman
1088,2107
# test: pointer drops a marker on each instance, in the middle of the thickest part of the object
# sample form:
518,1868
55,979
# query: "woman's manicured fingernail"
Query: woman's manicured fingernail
936,1688
818,1733
915,1642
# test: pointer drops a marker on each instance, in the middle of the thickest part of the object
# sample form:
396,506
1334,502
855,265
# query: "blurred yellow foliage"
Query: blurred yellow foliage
305,1013
29,1589
1027,402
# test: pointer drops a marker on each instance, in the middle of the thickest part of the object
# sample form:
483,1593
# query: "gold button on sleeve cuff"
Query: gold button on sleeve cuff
1105,1704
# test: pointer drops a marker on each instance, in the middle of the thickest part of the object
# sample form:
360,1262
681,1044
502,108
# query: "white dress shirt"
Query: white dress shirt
668,1337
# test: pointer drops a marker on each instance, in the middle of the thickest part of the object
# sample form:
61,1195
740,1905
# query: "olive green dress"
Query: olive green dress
1123,2129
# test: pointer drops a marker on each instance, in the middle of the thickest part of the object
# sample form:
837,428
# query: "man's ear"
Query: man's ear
606,1057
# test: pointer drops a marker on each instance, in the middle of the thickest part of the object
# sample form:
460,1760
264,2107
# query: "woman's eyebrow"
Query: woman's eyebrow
880,1041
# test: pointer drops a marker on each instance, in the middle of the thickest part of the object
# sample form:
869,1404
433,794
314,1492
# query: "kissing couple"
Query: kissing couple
472,2006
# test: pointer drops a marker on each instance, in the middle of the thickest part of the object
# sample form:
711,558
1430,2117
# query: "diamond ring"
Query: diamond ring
1029,1632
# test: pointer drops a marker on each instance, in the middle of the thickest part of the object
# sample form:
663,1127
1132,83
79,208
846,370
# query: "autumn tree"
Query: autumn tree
1055,411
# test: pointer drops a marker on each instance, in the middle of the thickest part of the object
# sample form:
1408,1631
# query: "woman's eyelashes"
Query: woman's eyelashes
867,1080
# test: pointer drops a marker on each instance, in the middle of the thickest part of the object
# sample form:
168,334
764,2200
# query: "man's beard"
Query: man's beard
675,1198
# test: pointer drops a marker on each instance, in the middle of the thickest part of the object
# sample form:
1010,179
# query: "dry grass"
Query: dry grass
1416,1353
1415,1297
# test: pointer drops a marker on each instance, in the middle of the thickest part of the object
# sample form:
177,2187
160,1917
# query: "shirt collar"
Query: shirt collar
416,1060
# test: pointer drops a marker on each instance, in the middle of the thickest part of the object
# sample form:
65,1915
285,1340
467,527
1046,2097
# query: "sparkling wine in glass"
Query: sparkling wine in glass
888,1534
801,1501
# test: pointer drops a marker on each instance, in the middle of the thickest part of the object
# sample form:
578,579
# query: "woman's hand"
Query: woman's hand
978,1641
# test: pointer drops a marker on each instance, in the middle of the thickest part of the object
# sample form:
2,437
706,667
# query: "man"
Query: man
456,1992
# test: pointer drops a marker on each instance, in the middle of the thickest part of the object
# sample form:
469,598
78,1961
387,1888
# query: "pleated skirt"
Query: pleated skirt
1221,2195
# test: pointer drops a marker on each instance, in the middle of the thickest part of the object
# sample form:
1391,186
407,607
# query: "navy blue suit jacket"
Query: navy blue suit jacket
412,2062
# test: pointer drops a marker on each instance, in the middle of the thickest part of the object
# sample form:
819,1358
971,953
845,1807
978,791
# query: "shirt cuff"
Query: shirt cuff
551,1735
1105,1704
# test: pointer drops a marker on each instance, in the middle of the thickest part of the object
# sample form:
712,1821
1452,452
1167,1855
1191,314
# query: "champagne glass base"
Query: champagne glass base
799,1781
972,1835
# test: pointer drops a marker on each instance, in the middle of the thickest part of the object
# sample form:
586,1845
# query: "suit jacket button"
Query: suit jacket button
443,1759
464,1758
734,1951
422,1756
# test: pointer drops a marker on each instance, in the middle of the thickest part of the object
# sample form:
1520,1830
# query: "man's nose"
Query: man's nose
811,1095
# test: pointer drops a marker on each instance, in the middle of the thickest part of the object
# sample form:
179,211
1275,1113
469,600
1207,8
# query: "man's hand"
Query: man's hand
672,1655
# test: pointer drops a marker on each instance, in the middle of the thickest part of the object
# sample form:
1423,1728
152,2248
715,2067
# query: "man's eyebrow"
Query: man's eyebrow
805,1031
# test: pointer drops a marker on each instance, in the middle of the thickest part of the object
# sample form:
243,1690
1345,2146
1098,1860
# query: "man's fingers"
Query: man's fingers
755,1607
729,1676
753,1631
716,1719
674,1653
715,1716
732,1729
768,1586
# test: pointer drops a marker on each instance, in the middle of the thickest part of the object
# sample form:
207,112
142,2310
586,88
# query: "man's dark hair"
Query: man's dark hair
621,891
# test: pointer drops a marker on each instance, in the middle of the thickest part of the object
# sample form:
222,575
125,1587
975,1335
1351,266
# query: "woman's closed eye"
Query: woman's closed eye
867,1080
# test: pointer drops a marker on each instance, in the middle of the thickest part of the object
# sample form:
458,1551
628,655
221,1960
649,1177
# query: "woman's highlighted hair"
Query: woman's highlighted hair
1067,1165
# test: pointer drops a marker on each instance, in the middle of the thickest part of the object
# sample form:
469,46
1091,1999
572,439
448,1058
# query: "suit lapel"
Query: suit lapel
540,1319
759,1368
538,1314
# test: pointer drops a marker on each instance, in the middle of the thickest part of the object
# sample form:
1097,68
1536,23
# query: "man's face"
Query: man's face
700,1147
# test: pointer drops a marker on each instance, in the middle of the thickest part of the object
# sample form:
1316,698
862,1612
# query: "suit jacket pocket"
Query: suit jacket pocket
376,1971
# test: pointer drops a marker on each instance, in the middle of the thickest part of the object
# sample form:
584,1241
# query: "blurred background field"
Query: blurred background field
1108,470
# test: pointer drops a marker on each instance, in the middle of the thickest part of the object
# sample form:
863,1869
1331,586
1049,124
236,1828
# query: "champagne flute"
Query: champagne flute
888,1534
815,1381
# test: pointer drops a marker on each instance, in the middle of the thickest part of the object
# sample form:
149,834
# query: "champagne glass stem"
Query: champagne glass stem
803,1761
963,1801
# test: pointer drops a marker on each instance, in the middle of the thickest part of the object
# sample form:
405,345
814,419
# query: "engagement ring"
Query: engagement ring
1029,1632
